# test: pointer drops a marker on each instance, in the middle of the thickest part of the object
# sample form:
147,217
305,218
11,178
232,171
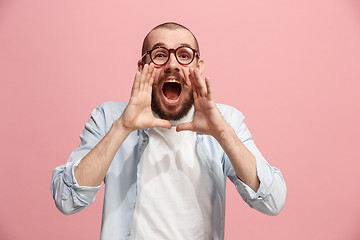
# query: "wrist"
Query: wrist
121,125
226,133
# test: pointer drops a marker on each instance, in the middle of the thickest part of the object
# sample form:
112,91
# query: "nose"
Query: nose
172,64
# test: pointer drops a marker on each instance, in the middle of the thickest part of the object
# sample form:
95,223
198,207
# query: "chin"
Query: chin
172,112
171,98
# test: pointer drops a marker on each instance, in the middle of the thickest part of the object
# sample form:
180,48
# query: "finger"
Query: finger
141,68
195,95
152,77
144,71
142,78
209,88
151,82
200,83
193,85
191,79
136,84
185,126
149,73
147,78
194,80
186,76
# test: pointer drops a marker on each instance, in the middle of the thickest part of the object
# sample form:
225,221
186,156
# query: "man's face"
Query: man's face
172,96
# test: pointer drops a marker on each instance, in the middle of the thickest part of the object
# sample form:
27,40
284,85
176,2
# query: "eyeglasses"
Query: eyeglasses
161,55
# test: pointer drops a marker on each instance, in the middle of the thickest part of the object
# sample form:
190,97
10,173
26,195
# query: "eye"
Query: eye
184,56
159,54
185,53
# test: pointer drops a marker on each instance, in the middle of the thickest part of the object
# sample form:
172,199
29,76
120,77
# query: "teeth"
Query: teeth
172,80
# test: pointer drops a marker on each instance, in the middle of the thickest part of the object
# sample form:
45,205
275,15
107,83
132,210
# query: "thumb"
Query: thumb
185,126
162,123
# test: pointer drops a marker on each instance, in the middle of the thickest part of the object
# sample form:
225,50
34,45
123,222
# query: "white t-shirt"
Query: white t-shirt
174,200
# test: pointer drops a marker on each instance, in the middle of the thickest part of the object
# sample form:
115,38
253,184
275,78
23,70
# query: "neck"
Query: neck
189,116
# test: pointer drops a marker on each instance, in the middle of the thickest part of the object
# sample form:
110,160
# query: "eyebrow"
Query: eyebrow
164,45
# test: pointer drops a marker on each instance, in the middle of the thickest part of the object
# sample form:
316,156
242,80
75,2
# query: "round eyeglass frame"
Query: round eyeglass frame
171,50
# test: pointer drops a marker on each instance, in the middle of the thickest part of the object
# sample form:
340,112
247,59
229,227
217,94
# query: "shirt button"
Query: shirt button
145,139
128,233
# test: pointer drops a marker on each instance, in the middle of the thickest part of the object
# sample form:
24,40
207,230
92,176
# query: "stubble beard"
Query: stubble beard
188,102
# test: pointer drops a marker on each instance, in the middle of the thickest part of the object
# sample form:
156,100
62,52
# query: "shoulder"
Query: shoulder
230,113
113,107
236,120
110,110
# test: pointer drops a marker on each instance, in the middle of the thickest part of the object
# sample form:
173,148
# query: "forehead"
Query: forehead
170,38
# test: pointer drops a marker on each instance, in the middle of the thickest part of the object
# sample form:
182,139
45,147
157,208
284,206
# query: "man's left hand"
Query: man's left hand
208,119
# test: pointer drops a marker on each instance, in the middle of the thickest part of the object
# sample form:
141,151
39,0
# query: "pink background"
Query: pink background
292,68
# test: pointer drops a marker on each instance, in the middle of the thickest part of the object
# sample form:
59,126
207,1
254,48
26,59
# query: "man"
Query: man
164,156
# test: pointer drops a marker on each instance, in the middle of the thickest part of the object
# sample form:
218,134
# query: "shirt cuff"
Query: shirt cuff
82,195
265,176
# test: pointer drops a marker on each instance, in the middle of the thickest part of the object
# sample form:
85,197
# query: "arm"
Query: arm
260,185
208,120
270,196
242,160
84,182
137,115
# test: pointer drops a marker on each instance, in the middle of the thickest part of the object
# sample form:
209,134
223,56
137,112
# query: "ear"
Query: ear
140,64
201,65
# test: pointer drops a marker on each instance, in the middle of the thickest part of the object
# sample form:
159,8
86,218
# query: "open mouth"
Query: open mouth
171,90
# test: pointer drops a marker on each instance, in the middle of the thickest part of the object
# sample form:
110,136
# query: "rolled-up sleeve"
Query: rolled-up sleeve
69,197
271,194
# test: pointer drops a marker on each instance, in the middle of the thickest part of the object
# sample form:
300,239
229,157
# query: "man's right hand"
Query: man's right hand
138,115
93,167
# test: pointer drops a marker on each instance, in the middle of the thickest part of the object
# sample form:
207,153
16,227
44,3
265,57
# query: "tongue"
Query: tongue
172,90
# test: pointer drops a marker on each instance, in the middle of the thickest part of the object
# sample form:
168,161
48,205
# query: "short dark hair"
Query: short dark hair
167,25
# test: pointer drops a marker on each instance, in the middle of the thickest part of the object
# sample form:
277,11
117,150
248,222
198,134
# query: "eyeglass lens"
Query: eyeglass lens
160,55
